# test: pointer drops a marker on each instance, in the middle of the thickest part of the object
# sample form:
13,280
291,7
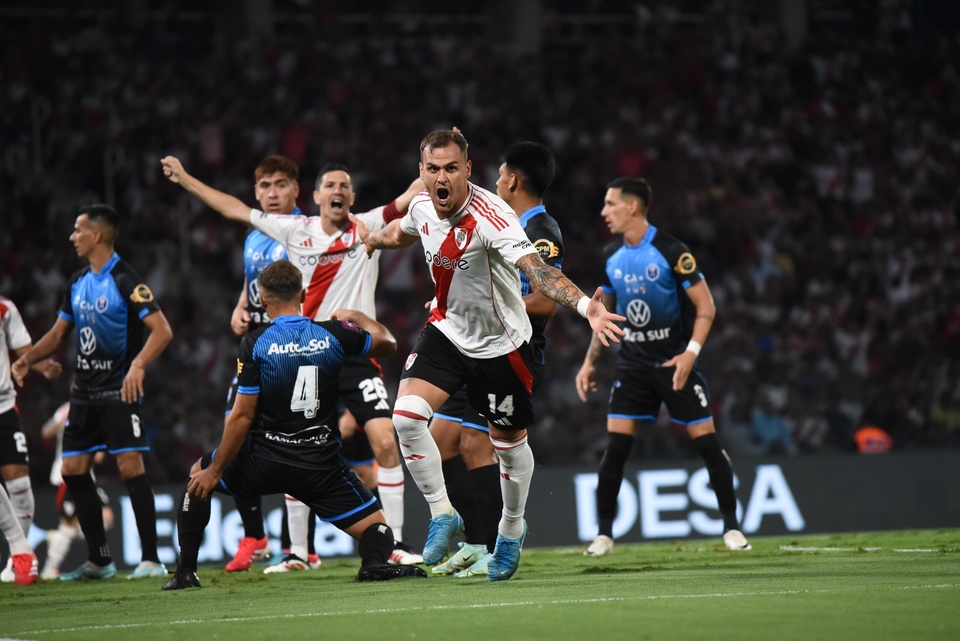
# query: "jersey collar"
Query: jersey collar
530,213
289,318
107,266
647,237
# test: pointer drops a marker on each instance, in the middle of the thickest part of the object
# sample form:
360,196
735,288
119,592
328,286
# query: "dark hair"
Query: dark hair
281,280
441,138
637,187
535,162
326,169
103,214
274,164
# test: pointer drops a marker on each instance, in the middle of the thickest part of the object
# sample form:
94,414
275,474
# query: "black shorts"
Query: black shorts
498,388
13,442
334,493
638,391
363,391
66,506
115,428
356,450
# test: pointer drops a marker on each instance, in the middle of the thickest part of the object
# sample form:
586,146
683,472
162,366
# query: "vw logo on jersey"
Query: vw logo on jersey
88,341
653,271
638,313
254,293
102,304
460,237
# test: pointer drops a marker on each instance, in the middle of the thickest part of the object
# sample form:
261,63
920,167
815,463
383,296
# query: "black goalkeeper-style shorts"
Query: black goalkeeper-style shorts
13,442
334,493
363,391
499,388
115,428
637,393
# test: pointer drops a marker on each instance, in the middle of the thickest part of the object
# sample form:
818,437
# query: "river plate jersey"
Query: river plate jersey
336,271
107,309
472,258
259,250
294,365
649,281
13,336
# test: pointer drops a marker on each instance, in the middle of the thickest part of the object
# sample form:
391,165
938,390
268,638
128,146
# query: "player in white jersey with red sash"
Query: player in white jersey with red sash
477,335
336,274
14,461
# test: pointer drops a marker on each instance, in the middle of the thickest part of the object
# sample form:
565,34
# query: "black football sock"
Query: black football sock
375,545
90,514
284,528
251,513
192,519
488,498
721,477
312,533
460,493
609,478
145,512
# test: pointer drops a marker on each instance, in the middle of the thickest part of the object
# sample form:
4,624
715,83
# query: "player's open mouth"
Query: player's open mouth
336,205
443,195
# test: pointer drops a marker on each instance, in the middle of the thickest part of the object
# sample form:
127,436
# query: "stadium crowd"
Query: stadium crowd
815,185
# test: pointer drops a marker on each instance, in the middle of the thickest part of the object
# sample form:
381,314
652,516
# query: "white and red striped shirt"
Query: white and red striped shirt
472,257
336,270
13,336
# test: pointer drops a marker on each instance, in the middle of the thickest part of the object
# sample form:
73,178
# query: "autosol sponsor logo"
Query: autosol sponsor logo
315,345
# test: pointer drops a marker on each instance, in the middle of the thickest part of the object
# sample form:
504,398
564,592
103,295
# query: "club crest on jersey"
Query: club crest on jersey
141,294
102,304
460,237
410,360
653,271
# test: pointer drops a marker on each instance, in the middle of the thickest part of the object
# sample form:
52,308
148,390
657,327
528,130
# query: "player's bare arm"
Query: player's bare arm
382,341
240,318
702,300
203,482
43,348
48,368
160,336
389,237
552,283
585,377
224,204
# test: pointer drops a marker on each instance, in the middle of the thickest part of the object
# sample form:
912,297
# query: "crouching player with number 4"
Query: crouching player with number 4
283,436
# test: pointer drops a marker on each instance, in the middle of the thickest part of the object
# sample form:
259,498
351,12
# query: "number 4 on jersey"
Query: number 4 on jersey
305,389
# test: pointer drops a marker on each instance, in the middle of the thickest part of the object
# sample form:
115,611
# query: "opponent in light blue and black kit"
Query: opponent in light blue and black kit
107,309
648,281
653,280
259,250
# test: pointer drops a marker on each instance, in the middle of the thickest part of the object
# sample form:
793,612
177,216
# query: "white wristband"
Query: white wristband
695,347
582,306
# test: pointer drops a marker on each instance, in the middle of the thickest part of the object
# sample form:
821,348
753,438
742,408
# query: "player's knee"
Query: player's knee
410,416
476,448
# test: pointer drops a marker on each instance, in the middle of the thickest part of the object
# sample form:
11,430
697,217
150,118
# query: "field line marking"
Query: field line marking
800,548
474,606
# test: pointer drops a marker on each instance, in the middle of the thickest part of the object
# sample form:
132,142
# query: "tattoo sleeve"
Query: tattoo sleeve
550,281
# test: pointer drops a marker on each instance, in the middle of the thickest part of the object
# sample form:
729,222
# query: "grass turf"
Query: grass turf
871,586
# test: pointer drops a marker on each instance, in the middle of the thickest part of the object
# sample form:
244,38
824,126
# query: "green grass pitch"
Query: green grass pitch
870,586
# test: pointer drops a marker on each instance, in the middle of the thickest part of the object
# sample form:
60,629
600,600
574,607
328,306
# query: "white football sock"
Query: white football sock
390,483
420,451
21,497
10,526
298,521
516,470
